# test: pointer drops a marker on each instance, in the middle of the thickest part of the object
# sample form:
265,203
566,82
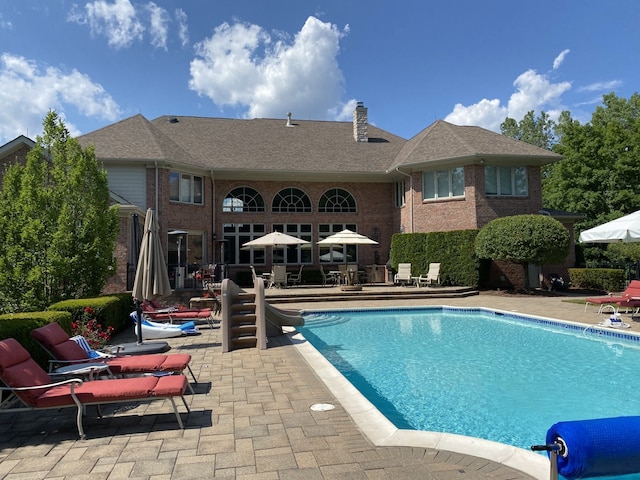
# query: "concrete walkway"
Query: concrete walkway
250,419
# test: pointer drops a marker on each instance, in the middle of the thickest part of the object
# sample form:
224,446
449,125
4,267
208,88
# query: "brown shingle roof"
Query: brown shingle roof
268,147
134,138
268,144
443,141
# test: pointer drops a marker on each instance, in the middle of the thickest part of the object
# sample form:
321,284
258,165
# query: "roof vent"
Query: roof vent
173,120
289,124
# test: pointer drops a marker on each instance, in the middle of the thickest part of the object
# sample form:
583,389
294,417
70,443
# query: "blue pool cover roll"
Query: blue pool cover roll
599,447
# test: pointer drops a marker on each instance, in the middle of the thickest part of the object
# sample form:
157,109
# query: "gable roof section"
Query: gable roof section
270,147
16,144
135,139
445,143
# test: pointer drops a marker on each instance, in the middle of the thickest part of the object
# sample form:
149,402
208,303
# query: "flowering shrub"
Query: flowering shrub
91,330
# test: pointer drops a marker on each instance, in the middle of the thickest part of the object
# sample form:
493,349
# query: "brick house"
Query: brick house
217,183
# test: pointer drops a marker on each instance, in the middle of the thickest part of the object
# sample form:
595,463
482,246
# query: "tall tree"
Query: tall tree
536,131
599,174
57,230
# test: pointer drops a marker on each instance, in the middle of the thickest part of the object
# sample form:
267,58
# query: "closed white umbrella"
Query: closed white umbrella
624,229
151,280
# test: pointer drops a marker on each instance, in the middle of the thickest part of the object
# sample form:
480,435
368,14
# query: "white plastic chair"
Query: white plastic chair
278,276
295,278
404,274
432,276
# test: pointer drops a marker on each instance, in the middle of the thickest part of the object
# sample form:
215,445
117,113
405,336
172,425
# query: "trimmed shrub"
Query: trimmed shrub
603,279
455,251
110,311
20,325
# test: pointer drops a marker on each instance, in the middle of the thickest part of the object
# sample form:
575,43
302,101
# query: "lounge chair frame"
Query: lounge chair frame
55,329
15,403
432,276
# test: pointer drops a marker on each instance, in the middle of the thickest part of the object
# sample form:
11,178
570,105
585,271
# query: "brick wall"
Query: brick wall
17,156
373,200
117,283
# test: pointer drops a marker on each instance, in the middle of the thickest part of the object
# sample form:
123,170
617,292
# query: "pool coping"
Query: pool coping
381,432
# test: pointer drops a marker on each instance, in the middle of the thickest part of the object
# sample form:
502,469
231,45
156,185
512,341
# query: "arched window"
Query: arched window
243,199
291,200
337,200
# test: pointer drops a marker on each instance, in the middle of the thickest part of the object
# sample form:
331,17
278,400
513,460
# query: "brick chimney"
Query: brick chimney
360,123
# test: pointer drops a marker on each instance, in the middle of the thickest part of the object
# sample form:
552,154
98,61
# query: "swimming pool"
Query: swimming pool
474,372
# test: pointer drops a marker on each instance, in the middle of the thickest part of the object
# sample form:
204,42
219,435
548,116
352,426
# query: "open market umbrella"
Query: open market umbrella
276,240
624,229
347,237
151,280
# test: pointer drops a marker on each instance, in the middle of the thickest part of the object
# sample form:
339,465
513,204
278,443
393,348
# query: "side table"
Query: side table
87,371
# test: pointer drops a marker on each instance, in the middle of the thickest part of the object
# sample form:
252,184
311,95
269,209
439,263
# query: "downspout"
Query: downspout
156,188
411,197
213,217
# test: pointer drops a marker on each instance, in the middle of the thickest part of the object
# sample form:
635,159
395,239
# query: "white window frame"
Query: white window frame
187,188
505,181
236,235
432,178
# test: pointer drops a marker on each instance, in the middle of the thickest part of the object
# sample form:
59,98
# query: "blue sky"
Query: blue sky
411,62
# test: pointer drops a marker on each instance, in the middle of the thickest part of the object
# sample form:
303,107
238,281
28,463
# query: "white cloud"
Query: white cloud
122,24
159,25
28,92
486,113
240,65
601,86
534,91
560,58
183,29
117,21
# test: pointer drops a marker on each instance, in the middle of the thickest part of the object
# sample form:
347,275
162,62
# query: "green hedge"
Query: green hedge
110,311
603,279
409,248
20,325
454,250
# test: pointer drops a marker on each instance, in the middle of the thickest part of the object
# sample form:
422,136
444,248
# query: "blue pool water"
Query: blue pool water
473,372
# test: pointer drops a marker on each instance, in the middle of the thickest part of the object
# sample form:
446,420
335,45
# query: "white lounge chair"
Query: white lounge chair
432,276
403,276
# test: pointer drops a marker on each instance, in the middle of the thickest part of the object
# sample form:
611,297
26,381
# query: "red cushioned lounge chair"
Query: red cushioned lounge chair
630,298
175,314
32,389
157,306
63,350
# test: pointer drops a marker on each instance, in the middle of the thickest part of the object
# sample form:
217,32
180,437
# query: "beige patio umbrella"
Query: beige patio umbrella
151,280
347,237
275,240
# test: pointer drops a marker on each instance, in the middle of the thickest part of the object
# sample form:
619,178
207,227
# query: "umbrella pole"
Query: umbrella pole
139,320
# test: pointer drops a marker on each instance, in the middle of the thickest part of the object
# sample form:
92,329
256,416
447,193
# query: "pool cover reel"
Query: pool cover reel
598,447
